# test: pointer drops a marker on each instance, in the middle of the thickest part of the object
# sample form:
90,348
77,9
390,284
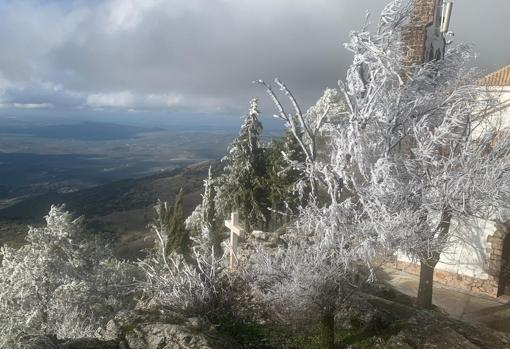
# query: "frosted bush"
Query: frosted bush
63,282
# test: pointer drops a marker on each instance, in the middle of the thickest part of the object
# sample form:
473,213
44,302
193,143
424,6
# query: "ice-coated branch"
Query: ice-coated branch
306,129
288,118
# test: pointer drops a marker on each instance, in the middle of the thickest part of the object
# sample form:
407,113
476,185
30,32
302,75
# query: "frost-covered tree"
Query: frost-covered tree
326,259
204,223
282,178
61,282
409,155
415,151
241,186
311,133
329,253
411,149
329,109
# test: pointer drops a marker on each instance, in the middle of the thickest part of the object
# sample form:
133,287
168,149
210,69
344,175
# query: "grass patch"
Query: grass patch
279,336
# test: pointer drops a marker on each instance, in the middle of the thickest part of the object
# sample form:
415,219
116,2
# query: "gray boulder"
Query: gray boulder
162,330
51,342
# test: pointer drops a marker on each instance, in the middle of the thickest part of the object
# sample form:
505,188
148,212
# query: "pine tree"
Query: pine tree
282,176
241,186
170,223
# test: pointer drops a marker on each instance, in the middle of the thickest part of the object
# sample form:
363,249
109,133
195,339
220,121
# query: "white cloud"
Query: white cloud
163,100
124,14
32,105
113,100
133,102
9,105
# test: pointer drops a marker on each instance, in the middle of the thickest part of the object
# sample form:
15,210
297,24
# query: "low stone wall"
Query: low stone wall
495,249
487,287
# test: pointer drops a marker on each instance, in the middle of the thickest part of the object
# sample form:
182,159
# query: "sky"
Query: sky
100,58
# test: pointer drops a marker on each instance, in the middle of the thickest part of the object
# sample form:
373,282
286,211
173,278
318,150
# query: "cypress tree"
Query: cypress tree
170,221
209,216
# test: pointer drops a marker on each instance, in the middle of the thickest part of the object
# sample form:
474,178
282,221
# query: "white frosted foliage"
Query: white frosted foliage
407,150
61,282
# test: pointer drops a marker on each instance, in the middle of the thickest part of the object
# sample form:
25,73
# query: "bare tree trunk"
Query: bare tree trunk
327,337
427,266
424,299
216,242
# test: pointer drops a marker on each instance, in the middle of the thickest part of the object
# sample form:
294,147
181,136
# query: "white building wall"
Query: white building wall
502,117
468,252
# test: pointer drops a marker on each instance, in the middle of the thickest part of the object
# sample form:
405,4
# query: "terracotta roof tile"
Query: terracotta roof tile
500,77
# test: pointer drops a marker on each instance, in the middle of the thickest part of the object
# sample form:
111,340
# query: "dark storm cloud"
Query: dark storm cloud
194,54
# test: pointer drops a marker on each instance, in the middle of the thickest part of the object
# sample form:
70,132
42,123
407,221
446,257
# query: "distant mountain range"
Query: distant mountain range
64,158
85,131
225,123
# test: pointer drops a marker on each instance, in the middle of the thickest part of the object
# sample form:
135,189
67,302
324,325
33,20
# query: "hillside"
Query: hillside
122,208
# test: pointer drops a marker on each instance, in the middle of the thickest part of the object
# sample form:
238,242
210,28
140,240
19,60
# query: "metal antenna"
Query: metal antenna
446,16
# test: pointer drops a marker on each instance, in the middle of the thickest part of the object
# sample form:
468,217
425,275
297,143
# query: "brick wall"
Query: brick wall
495,251
422,15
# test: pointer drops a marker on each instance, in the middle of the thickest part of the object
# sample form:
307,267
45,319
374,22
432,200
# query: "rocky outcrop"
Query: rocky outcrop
162,330
51,342
259,240
140,330
416,329
426,329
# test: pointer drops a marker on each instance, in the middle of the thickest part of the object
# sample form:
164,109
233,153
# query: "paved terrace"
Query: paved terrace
459,304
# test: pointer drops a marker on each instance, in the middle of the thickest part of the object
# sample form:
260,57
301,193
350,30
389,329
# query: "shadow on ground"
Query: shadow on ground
458,304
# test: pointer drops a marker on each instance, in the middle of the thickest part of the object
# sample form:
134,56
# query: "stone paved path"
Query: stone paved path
459,304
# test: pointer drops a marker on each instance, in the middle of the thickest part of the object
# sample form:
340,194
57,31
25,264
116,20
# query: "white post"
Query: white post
235,232
233,251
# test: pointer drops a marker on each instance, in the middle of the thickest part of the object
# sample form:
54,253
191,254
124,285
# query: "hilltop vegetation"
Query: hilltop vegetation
382,164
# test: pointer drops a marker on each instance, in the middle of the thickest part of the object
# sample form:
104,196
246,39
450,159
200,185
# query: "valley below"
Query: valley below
111,174
60,159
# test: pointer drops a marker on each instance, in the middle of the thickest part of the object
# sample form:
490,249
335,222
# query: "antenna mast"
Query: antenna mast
446,16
